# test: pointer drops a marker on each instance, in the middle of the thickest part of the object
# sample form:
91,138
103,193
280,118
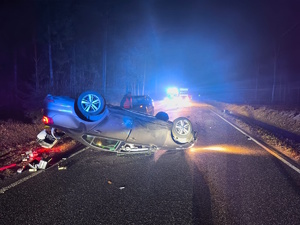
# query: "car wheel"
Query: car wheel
89,105
182,130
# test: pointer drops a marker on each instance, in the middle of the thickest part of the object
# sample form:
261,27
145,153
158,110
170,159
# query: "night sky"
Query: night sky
220,40
211,45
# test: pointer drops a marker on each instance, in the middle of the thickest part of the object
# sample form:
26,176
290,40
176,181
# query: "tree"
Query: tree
276,56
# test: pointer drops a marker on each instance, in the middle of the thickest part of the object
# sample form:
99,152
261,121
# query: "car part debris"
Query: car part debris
32,170
42,165
7,167
62,167
29,153
32,166
46,140
62,164
20,170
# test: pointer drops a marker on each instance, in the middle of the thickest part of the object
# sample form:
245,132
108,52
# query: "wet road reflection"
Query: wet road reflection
226,149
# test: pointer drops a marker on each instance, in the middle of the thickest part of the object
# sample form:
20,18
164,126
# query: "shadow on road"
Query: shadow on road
201,198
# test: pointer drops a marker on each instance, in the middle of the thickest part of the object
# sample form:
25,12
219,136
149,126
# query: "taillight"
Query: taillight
47,120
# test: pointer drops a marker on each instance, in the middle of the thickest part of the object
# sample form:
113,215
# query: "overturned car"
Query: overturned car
91,121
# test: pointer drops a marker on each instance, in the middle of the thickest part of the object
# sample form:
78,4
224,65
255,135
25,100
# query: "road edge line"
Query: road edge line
260,144
16,183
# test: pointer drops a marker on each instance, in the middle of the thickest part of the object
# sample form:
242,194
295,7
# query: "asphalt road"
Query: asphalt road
224,179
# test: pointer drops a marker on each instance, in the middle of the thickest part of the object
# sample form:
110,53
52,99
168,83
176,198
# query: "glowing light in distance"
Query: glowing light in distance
172,91
227,149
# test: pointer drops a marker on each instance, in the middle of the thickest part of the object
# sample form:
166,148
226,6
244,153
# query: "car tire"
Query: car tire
182,130
89,105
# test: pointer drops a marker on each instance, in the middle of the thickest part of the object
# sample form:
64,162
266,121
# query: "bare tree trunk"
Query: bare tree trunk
256,84
298,98
37,83
15,78
50,58
104,70
72,72
274,73
133,88
104,78
280,89
144,77
285,89
276,54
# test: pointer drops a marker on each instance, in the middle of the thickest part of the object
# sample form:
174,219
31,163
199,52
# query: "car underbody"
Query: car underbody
111,128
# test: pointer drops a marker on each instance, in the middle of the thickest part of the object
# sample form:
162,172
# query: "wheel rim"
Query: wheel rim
183,127
90,103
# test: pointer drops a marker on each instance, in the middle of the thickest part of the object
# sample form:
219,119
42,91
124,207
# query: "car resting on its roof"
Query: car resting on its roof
91,121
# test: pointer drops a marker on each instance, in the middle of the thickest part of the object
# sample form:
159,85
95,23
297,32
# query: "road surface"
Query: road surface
225,179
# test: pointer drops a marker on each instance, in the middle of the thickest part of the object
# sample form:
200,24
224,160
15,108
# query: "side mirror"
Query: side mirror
162,116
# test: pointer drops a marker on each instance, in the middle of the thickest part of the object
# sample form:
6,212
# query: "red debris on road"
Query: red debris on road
8,167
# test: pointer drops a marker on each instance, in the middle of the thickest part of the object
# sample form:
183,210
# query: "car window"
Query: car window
88,138
135,101
141,100
149,100
105,143
101,142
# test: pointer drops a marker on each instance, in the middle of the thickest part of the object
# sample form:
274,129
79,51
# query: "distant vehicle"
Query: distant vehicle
184,93
91,121
172,92
143,103
178,97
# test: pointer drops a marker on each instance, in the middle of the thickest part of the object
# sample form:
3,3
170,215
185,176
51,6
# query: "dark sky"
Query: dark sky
17,24
200,43
221,40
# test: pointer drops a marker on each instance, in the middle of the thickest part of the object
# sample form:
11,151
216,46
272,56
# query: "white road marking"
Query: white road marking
4,189
261,145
